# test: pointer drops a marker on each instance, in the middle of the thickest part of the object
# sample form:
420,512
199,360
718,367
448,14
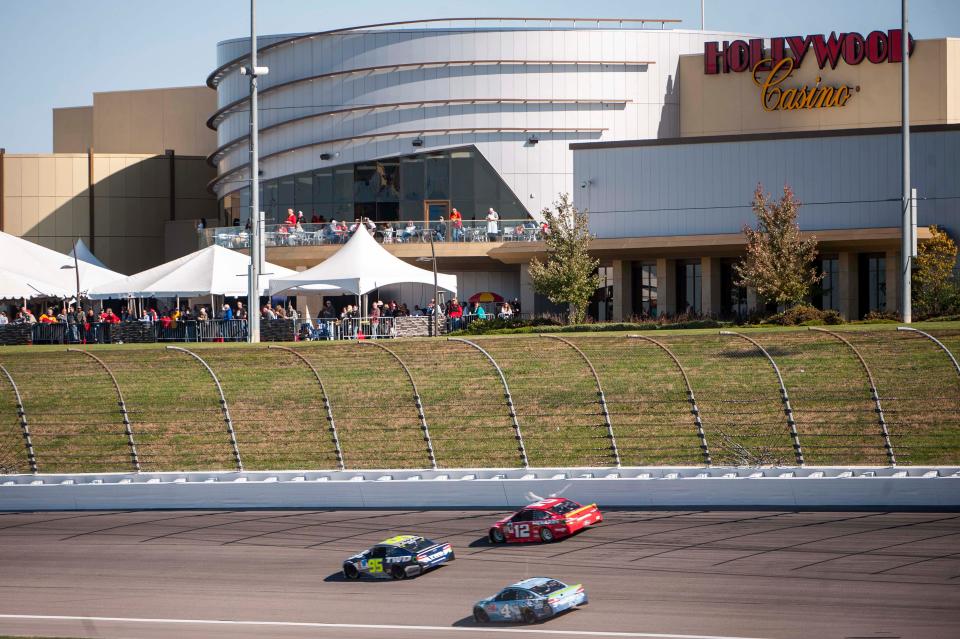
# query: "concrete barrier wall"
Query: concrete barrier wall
811,488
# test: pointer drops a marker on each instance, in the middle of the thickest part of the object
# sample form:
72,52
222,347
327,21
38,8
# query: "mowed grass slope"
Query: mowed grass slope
280,421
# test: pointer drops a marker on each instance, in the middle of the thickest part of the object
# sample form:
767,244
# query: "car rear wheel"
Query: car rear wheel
546,535
397,572
528,616
496,536
480,615
350,571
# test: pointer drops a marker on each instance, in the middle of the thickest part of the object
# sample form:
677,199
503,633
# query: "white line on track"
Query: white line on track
361,626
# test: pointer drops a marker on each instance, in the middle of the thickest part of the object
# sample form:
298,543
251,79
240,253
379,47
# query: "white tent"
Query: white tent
84,254
214,270
31,270
359,267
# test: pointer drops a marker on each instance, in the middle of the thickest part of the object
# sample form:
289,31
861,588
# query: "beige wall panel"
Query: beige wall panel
81,218
111,122
63,177
63,243
11,175
46,221
952,79
12,216
730,103
72,129
63,217
46,176
146,123
103,224
30,176
155,176
133,177
29,207
81,175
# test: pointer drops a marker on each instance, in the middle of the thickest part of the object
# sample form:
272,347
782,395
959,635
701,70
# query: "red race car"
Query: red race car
546,520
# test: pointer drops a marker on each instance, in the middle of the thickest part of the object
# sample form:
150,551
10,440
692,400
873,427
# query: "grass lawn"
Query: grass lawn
280,421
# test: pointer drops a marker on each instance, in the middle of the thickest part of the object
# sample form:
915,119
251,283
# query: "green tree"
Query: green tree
935,288
779,263
569,274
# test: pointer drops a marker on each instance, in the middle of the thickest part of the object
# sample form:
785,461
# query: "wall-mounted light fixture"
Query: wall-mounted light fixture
417,141
532,140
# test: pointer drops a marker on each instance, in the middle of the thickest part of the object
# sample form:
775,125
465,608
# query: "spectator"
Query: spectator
28,316
4,320
410,231
145,317
109,317
479,311
328,312
455,314
279,313
456,221
515,305
241,313
201,224
291,218
315,219
371,225
387,233
430,309
248,226
203,314
492,224
505,311
403,311
268,313
292,312
48,317
153,315
440,230
227,312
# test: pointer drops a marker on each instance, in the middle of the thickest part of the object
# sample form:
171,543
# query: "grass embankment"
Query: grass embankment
280,420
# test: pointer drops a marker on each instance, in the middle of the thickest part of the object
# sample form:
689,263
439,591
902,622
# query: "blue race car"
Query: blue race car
530,601
398,558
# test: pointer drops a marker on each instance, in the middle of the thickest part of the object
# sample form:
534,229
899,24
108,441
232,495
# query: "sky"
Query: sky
57,53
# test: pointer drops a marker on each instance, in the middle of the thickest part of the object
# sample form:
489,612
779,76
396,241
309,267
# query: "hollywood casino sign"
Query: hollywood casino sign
772,67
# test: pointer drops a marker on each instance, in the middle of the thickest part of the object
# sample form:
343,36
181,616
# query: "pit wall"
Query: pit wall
661,487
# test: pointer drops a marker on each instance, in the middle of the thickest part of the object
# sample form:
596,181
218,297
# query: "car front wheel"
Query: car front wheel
480,615
496,536
350,571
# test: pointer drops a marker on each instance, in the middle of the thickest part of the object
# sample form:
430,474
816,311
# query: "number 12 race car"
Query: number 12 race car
545,520
530,601
398,558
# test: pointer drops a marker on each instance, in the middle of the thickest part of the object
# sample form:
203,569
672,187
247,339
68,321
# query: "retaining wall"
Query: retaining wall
787,488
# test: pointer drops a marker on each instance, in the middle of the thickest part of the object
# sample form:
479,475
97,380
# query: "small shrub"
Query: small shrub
881,316
802,315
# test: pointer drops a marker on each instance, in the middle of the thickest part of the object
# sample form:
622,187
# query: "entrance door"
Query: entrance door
434,209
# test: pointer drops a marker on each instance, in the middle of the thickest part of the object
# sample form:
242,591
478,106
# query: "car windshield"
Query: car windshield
565,506
547,587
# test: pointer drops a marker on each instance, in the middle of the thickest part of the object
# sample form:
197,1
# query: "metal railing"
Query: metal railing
325,234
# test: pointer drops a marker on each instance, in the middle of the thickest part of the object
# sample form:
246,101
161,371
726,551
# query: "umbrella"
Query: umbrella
485,296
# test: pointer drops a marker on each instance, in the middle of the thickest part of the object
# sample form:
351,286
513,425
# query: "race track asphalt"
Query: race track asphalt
677,574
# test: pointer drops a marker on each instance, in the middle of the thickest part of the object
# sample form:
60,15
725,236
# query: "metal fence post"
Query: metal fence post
223,404
787,409
694,410
874,393
24,427
416,398
935,341
134,458
602,399
506,391
326,403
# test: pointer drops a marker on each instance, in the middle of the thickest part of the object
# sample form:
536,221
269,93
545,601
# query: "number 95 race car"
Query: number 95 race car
530,601
398,558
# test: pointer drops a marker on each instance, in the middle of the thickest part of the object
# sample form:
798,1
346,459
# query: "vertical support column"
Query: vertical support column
849,284
527,295
787,408
506,390
24,427
124,415
223,405
172,194
666,286
416,399
326,404
710,291
892,264
91,201
622,290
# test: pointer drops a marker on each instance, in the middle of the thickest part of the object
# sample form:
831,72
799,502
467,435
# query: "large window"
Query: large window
873,282
827,294
645,289
388,190
689,287
733,298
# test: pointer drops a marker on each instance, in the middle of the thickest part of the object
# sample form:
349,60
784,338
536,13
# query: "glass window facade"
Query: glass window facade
689,287
873,282
733,298
645,289
385,190
826,295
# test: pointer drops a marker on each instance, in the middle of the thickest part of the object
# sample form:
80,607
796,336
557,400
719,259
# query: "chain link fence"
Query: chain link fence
327,404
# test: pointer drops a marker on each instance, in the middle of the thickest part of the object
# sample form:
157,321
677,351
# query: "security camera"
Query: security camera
584,184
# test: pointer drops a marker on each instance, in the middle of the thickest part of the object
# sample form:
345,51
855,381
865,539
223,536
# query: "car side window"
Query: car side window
524,594
398,552
539,515
378,553
507,595
523,515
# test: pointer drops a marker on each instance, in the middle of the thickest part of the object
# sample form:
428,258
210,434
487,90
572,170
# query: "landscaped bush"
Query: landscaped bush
804,316
543,325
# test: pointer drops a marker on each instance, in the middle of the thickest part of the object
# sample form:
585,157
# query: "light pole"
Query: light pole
906,240
256,248
436,300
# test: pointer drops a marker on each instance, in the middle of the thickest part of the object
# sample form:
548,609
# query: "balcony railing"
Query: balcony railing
238,237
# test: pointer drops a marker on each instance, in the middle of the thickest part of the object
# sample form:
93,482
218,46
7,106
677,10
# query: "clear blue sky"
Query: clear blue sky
58,52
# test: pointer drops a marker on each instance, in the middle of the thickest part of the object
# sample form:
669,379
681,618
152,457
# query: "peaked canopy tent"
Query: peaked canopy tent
84,254
31,270
213,270
359,267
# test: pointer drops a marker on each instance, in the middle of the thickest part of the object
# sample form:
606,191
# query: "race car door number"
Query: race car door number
521,530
